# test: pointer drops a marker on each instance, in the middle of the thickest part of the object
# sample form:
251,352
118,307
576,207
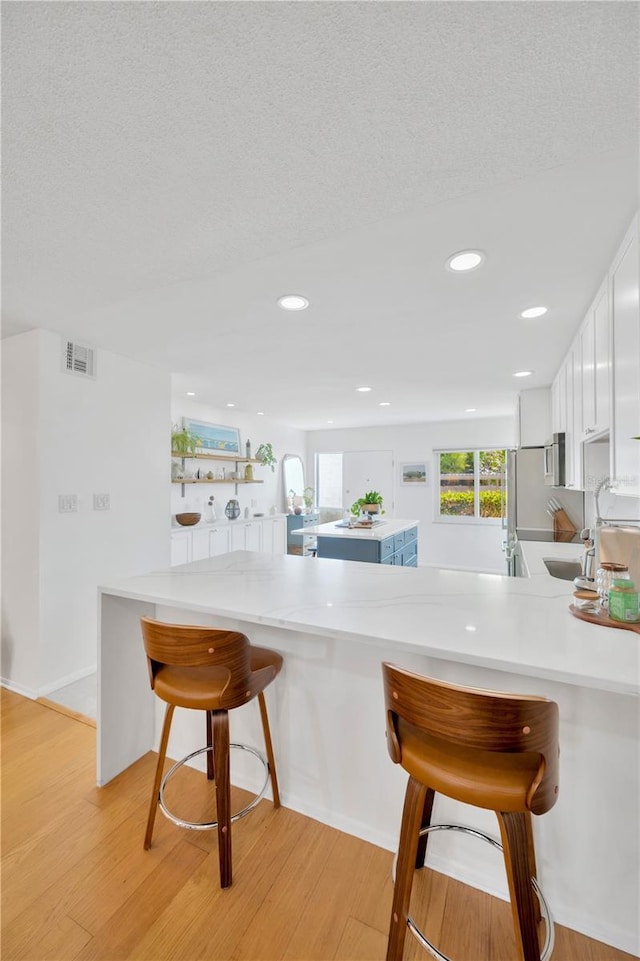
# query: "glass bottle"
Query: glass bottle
605,575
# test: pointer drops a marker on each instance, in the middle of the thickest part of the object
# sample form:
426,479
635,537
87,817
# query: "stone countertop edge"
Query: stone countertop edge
386,529
520,625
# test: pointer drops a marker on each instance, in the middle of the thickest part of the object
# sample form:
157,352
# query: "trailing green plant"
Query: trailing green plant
371,497
265,454
184,441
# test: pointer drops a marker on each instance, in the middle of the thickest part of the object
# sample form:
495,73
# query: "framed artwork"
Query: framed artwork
415,473
214,439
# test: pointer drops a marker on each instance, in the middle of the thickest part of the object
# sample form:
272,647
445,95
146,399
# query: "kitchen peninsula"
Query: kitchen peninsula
391,541
334,623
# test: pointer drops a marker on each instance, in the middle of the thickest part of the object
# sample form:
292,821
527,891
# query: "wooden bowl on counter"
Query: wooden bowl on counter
188,519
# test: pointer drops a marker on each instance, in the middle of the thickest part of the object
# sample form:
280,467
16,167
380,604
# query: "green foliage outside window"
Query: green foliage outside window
472,481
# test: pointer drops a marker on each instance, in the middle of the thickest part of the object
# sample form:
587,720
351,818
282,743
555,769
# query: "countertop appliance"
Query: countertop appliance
528,516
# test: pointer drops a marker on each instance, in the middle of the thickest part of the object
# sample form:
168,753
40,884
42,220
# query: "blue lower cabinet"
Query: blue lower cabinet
295,522
398,549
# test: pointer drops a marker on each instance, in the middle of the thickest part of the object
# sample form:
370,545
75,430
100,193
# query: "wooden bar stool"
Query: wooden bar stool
209,670
495,751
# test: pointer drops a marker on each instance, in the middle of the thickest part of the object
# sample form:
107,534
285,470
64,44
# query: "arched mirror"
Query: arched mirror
293,476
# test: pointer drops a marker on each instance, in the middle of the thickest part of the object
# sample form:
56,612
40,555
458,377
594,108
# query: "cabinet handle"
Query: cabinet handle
589,430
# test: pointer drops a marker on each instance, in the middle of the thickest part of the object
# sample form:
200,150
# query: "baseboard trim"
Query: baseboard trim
66,711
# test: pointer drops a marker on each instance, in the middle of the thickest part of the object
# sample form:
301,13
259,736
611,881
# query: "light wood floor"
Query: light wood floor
77,884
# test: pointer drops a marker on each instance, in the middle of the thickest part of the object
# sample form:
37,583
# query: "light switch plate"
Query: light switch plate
101,502
67,503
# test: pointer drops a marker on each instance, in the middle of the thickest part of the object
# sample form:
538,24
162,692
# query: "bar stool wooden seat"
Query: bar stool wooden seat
210,670
495,751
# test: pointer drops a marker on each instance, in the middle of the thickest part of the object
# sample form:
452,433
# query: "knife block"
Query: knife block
563,529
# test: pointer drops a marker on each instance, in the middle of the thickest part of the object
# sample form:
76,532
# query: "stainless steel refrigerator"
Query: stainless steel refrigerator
528,514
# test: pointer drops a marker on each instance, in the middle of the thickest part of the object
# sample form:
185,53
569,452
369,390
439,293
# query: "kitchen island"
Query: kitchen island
392,542
334,622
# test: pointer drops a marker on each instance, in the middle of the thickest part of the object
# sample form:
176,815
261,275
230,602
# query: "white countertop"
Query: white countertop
222,521
520,625
377,533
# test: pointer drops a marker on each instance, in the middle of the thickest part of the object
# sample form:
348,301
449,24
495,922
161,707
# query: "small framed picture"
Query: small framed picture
414,473
214,439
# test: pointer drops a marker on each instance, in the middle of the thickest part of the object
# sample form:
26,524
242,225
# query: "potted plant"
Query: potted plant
307,496
184,442
265,454
370,503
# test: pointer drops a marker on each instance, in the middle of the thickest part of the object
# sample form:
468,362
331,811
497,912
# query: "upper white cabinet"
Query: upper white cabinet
625,322
534,417
595,366
573,439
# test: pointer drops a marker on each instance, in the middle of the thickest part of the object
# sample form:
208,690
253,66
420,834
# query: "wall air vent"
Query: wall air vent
78,359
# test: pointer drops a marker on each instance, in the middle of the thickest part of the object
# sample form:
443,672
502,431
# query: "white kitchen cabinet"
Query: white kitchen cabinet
596,363
559,401
267,534
534,417
200,545
573,440
625,322
180,547
274,535
246,536
218,541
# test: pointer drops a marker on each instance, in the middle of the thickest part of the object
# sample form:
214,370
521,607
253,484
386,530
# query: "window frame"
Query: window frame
465,519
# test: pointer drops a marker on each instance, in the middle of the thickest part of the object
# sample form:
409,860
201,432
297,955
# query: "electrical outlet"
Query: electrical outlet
67,503
101,502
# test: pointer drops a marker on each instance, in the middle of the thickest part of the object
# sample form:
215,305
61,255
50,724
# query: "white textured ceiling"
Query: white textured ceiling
170,169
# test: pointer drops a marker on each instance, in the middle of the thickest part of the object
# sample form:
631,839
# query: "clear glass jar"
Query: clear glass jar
605,575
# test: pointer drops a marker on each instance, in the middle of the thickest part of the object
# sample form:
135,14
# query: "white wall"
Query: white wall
259,498
83,436
20,510
469,546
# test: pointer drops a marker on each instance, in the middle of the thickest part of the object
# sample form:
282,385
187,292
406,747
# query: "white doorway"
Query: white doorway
366,470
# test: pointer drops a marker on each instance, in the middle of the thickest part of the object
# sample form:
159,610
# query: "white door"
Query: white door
366,470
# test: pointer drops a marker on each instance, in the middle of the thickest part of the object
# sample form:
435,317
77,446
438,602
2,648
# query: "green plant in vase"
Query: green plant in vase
307,497
370,503
265,454
184,442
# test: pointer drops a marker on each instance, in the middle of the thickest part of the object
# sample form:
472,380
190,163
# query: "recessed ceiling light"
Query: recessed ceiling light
523,373
531,312
230,405
385,403
191,393
470,410
293,302
465,260
259,413
329,422
363,390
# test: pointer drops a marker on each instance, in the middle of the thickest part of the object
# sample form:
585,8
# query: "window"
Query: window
471,484
329,480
